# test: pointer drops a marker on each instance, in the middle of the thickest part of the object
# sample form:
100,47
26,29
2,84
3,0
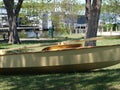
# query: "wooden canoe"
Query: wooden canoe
68,59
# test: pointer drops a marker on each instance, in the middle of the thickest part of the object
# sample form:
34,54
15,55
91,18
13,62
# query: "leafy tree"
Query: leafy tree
13,9
92,15
110,7
1,4
113,6
69,10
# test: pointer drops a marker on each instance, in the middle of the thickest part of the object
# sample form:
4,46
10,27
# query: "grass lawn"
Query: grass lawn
101,79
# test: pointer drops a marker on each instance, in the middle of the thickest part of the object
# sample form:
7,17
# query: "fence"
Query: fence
108,31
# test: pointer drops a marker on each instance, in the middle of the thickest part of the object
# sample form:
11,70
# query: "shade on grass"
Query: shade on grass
104,79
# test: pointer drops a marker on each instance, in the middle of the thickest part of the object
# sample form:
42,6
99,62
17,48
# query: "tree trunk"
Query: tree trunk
92,17
12,12
13,34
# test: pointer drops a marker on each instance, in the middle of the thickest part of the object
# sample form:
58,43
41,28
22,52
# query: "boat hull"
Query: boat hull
78,59
57,69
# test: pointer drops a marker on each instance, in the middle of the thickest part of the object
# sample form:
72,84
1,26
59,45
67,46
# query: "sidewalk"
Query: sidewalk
37,39
34,40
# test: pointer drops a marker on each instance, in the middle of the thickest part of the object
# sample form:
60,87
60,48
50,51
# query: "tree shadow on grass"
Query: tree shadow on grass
93,80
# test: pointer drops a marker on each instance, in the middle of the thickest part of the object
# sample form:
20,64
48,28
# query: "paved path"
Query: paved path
34,39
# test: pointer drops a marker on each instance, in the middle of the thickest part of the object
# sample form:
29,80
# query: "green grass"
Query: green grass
107,79
108,41
101,79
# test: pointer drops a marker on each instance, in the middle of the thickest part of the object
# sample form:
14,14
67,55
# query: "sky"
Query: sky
82,1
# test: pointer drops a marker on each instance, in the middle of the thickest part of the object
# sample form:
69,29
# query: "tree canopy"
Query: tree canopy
111,6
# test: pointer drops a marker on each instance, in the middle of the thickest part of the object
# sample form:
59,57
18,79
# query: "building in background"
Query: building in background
3,18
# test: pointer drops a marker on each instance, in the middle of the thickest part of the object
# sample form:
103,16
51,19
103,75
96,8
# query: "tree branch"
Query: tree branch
18,7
